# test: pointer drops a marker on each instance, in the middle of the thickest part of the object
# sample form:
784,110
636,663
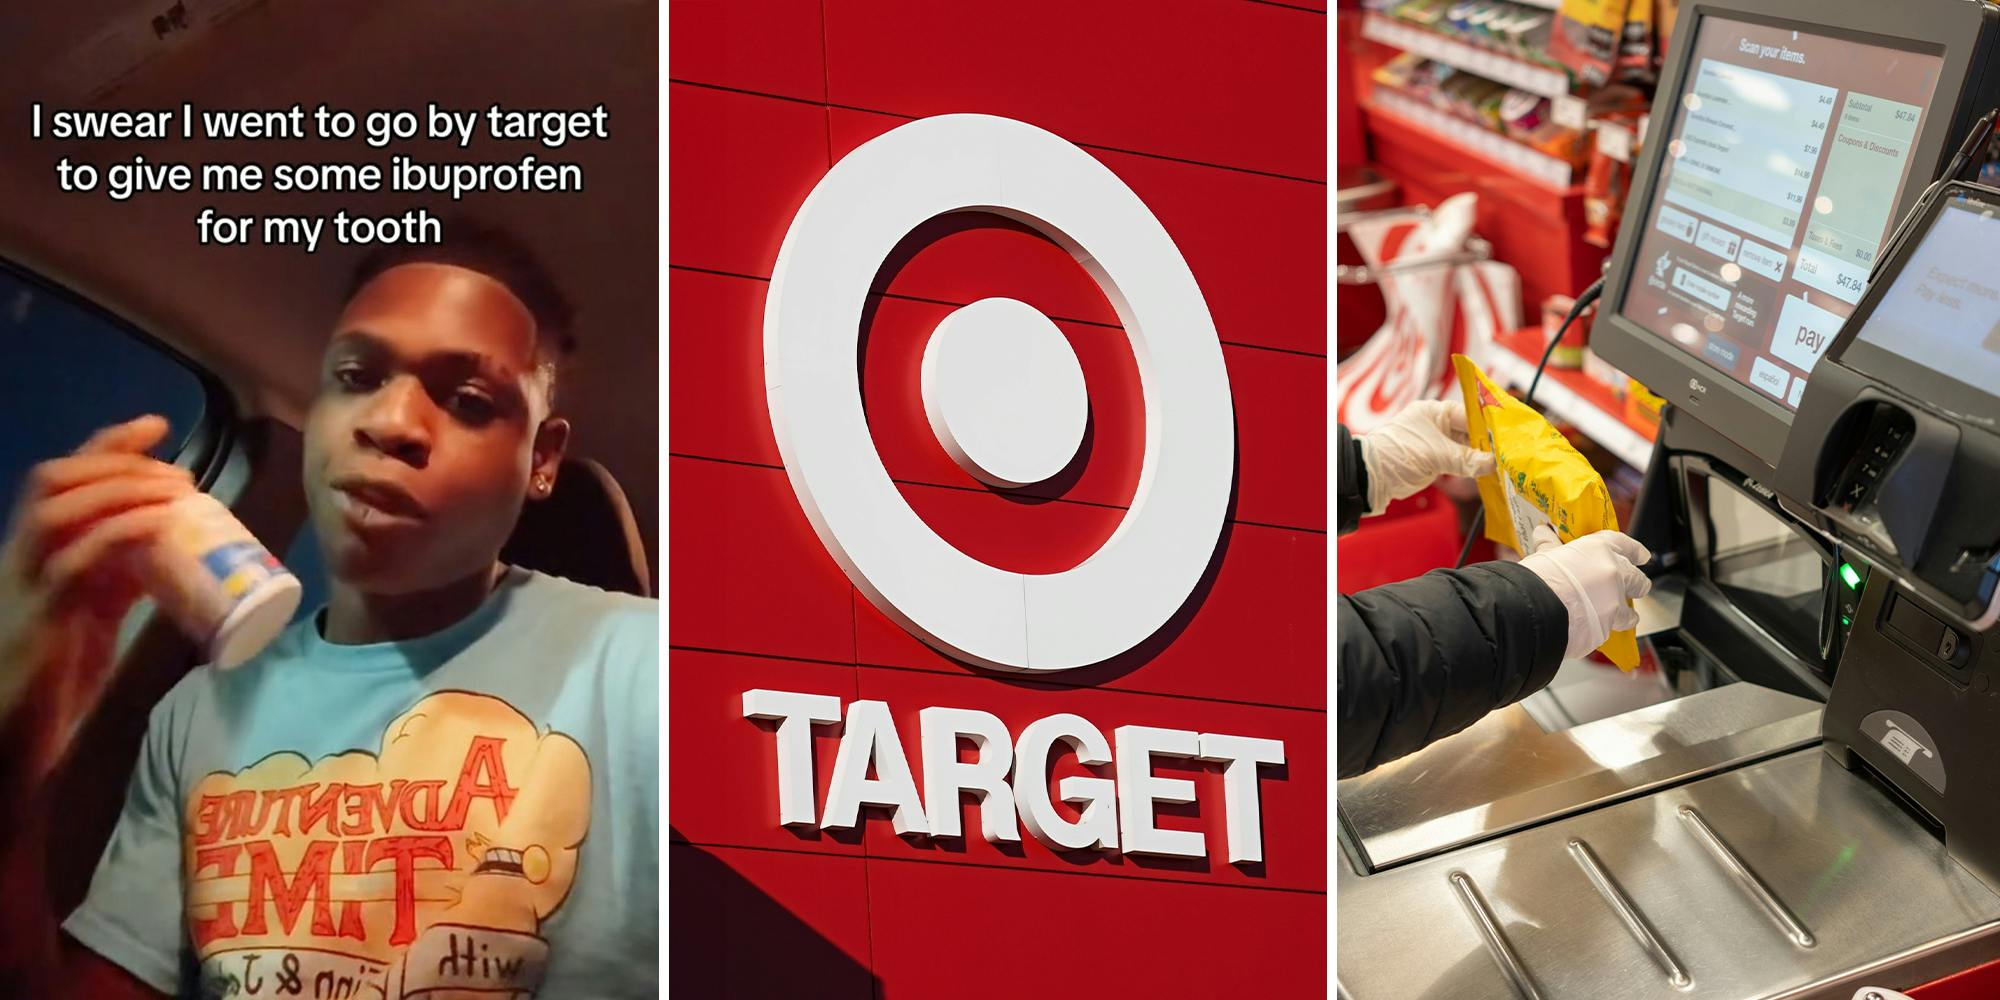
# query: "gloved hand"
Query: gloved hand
1593,576
1424,441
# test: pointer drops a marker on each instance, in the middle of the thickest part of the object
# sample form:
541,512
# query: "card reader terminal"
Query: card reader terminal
1895,454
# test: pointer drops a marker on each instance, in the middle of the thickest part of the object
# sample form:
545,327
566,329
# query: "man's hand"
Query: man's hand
65,579
1593,576
1424,441
66,583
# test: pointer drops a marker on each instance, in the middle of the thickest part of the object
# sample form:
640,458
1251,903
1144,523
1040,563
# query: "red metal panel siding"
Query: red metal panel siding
723,768
1213,112
749,574
1257,244
715,334
765,46
1231,84
739,165
1018,537
1012,933
1977,983
1280,437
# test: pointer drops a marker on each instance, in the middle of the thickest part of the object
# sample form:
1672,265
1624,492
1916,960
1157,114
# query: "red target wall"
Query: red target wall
1214,113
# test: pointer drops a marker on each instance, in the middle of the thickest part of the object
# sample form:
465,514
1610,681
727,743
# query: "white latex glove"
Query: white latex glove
1593,576
1425,440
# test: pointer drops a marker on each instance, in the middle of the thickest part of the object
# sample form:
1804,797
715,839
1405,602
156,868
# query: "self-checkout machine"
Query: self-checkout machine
1796,796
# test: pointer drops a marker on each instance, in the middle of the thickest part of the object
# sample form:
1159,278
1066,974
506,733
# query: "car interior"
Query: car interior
111,308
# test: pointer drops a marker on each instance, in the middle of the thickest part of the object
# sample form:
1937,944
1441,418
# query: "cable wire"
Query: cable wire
1583,301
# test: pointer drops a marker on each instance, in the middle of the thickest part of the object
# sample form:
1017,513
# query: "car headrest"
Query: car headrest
582,531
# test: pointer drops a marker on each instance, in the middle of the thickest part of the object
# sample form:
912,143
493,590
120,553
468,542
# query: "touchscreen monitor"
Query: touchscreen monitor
1785,155
1938,321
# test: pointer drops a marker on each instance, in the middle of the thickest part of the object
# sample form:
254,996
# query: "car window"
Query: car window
71,368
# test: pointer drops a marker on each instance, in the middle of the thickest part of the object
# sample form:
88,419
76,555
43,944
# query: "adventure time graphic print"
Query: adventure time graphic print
423,871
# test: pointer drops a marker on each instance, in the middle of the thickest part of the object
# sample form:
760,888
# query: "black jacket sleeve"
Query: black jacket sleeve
1422,659
1351,490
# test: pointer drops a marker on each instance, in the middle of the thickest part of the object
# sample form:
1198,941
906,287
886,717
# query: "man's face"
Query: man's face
428,424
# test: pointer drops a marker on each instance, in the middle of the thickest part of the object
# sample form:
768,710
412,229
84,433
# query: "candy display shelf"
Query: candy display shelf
1546,170
1496,66
1533,223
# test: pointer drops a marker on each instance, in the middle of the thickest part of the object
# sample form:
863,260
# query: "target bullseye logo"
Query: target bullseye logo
1006,398
1002,391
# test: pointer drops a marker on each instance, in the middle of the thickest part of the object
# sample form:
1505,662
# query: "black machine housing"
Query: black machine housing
1898,463
1888,467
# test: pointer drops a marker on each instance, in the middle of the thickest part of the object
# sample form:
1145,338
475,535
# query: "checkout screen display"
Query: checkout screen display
1942,310
1784,158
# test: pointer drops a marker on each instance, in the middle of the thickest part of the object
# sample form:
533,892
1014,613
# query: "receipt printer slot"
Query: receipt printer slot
1926,634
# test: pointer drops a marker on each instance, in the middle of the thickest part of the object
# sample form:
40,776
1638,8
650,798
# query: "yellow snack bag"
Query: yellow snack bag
1539,478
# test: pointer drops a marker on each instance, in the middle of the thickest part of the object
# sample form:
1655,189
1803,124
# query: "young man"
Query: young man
444,783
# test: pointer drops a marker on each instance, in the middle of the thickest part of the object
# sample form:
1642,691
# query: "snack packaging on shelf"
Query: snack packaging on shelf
1664,13
1404,72
1603,194
1569,353
1526,33
1604,373
1635,51
1486,106
1618,102
1520,115
1462,16
1488,26
1587,37
1429,13
1641,406
1605,185
1516,29
1539,478
1566,144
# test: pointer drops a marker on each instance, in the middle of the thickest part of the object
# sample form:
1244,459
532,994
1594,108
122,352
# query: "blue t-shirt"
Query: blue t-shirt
474,812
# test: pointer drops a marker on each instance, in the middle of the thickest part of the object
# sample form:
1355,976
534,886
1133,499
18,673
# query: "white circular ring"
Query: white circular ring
1004,392
857,214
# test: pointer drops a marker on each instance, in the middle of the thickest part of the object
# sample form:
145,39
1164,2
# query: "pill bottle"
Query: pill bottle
213,579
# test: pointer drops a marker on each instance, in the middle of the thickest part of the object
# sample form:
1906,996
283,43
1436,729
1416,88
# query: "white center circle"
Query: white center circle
1004,392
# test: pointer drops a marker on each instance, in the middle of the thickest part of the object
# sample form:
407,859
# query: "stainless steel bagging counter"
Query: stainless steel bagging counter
1703,846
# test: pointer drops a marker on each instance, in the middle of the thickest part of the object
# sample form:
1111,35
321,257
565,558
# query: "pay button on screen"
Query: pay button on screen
1804,332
